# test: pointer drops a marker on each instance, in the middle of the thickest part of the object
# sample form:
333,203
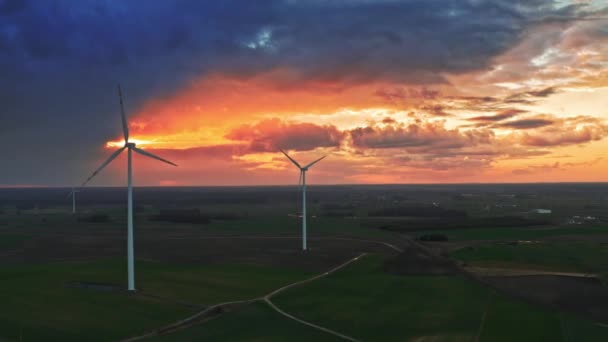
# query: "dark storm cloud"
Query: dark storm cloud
402,40
60,60
9,6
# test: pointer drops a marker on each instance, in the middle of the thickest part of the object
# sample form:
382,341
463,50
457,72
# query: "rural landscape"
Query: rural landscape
304,170
423,263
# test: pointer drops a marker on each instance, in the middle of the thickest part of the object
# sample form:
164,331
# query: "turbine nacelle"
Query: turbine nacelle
130,144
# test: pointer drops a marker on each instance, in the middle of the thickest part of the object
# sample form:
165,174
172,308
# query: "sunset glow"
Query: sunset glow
509,98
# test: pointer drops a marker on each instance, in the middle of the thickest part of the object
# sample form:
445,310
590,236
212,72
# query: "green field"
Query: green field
255,322
38,304
364,302
557,256
361,300
284,225
253,224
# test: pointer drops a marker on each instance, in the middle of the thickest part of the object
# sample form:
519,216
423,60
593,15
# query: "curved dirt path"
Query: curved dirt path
329,331
268,297
217,309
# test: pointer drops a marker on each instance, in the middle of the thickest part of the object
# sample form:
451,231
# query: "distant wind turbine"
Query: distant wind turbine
303,179
73,195
129,146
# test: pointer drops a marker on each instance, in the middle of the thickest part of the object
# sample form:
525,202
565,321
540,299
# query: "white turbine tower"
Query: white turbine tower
73,195
303,179
130,147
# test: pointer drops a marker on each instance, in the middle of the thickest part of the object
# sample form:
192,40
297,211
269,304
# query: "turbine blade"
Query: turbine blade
299,193
148,154
292,160
112,157
300,179
125,125
314,162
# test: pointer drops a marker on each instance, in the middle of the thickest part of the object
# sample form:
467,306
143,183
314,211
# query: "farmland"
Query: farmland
65,275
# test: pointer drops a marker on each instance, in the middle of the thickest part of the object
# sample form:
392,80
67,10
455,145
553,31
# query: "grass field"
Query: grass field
556,256
361,300
255,322
253,224
292,225
364,302
511,320
38,304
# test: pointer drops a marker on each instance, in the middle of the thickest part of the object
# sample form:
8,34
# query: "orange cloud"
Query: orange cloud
272,134
226,129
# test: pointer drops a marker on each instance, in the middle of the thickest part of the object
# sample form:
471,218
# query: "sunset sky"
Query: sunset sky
413,91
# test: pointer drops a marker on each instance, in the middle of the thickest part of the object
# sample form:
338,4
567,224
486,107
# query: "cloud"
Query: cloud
502,115
409,41
194,71
272,134
526,123
8,7
528,97
556,166
538,169
445,103
225,152
423,135
566,131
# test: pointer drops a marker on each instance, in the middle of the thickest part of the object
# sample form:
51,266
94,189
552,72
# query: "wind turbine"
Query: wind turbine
130,147
303,179
73,194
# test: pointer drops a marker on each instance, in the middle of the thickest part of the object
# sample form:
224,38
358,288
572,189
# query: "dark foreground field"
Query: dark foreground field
226,264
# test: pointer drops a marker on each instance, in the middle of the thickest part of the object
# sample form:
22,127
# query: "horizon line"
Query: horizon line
20,186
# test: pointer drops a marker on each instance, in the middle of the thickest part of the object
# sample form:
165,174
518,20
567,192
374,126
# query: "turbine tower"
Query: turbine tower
73,195
130,147
303,179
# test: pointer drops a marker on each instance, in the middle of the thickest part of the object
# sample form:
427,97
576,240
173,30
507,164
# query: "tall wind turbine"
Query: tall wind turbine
303,178
130,147
73,194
